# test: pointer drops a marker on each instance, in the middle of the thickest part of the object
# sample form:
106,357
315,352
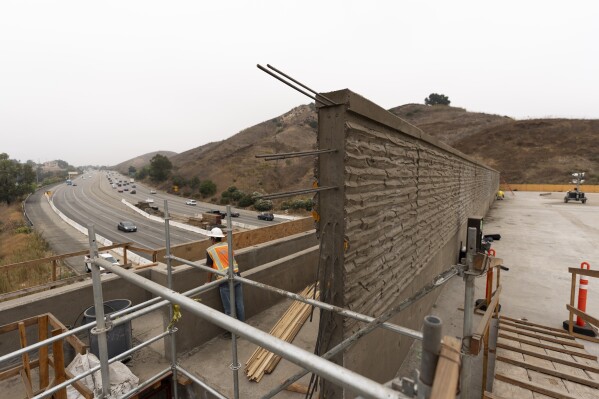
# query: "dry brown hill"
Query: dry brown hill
140,161
233,162
526,151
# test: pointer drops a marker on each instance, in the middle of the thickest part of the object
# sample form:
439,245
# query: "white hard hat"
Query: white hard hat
216,232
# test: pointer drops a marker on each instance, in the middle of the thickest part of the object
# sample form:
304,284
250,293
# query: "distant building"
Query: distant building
51,166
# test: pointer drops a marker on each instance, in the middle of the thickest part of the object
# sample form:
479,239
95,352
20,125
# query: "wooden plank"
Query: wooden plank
585,337
562,334
548,371
584,272
490,395
571,343
549,357
448,369
534,387
25,356
586,317
15,325
297,387
553,348
27,384
59,371
528,323
16,370
507,390
43,351
483,325
80,386
75,342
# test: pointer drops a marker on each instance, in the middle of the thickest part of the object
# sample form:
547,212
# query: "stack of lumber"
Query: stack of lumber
264,362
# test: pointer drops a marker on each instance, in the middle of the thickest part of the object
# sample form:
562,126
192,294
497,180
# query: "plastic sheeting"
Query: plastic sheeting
122,380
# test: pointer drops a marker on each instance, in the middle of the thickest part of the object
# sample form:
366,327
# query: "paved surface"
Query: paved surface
61,237
541,237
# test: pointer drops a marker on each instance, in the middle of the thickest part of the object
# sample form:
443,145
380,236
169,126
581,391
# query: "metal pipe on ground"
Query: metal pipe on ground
201,383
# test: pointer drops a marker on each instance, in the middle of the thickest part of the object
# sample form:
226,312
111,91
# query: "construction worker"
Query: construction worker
217,257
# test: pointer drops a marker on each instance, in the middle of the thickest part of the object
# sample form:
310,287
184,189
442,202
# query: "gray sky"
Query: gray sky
102,82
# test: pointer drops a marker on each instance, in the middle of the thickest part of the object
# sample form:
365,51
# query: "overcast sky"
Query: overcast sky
102,82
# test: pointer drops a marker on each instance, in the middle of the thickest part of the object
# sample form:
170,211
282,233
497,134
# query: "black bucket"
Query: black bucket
119,339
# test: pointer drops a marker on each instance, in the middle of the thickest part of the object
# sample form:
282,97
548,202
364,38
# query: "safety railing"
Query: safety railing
582,328
442,364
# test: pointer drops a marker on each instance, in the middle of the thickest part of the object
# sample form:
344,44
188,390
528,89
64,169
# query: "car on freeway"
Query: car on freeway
224,214
126,189
191,202
127,226
152,191
114,186
133,191
149,200
120,190
74,184
266,216
107,257
133,186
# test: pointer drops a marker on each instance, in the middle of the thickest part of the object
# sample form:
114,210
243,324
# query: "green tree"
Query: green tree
246,200
142,173
16,179
263,205
132,170
160,168
195,182
207,188
437,99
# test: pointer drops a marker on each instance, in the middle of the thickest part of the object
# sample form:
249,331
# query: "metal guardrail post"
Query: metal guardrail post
101,326
231,277
431,347
468,314
169,282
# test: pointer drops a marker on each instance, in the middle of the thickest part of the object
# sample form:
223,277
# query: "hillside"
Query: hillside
140,161
524,151
233,162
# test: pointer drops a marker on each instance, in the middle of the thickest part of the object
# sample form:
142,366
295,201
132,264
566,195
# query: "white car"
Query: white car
107,257
149,200
191,202
152,191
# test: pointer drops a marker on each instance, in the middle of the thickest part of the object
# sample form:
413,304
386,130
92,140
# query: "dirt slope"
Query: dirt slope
140,161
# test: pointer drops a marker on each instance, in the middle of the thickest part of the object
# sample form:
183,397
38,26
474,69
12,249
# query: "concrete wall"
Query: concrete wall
289,263
394,220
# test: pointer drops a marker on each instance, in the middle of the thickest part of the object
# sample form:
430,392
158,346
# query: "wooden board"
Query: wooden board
541,365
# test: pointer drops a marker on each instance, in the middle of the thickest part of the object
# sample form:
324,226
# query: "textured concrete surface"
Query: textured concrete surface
395,220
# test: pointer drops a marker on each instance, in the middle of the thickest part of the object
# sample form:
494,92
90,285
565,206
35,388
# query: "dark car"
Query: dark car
127,226
217,212
133,192
266,216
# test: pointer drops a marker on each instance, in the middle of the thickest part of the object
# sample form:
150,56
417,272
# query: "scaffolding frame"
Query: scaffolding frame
310,362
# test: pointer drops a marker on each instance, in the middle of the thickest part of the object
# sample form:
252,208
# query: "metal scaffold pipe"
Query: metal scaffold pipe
169,281
330,371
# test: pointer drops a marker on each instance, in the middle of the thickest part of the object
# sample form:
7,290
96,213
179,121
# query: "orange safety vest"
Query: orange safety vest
219,253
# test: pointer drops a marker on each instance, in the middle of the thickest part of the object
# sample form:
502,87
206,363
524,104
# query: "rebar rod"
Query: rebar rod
301,84
328,370
297,192
360,333
290,85
285,155
101,328
123,355
169,283
326,306
201,383
232,304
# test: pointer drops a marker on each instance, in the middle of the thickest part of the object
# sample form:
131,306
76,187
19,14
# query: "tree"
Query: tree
207,188
142,173
160,168
16,179
132,170
437,99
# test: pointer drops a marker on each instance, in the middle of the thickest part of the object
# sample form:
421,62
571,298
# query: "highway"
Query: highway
93,201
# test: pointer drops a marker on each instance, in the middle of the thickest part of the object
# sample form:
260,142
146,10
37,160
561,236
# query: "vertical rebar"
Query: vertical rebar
169,282
431,347
100,329
235,365
466,374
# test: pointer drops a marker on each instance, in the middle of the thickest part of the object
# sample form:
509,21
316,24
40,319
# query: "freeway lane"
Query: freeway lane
86,203
177,204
